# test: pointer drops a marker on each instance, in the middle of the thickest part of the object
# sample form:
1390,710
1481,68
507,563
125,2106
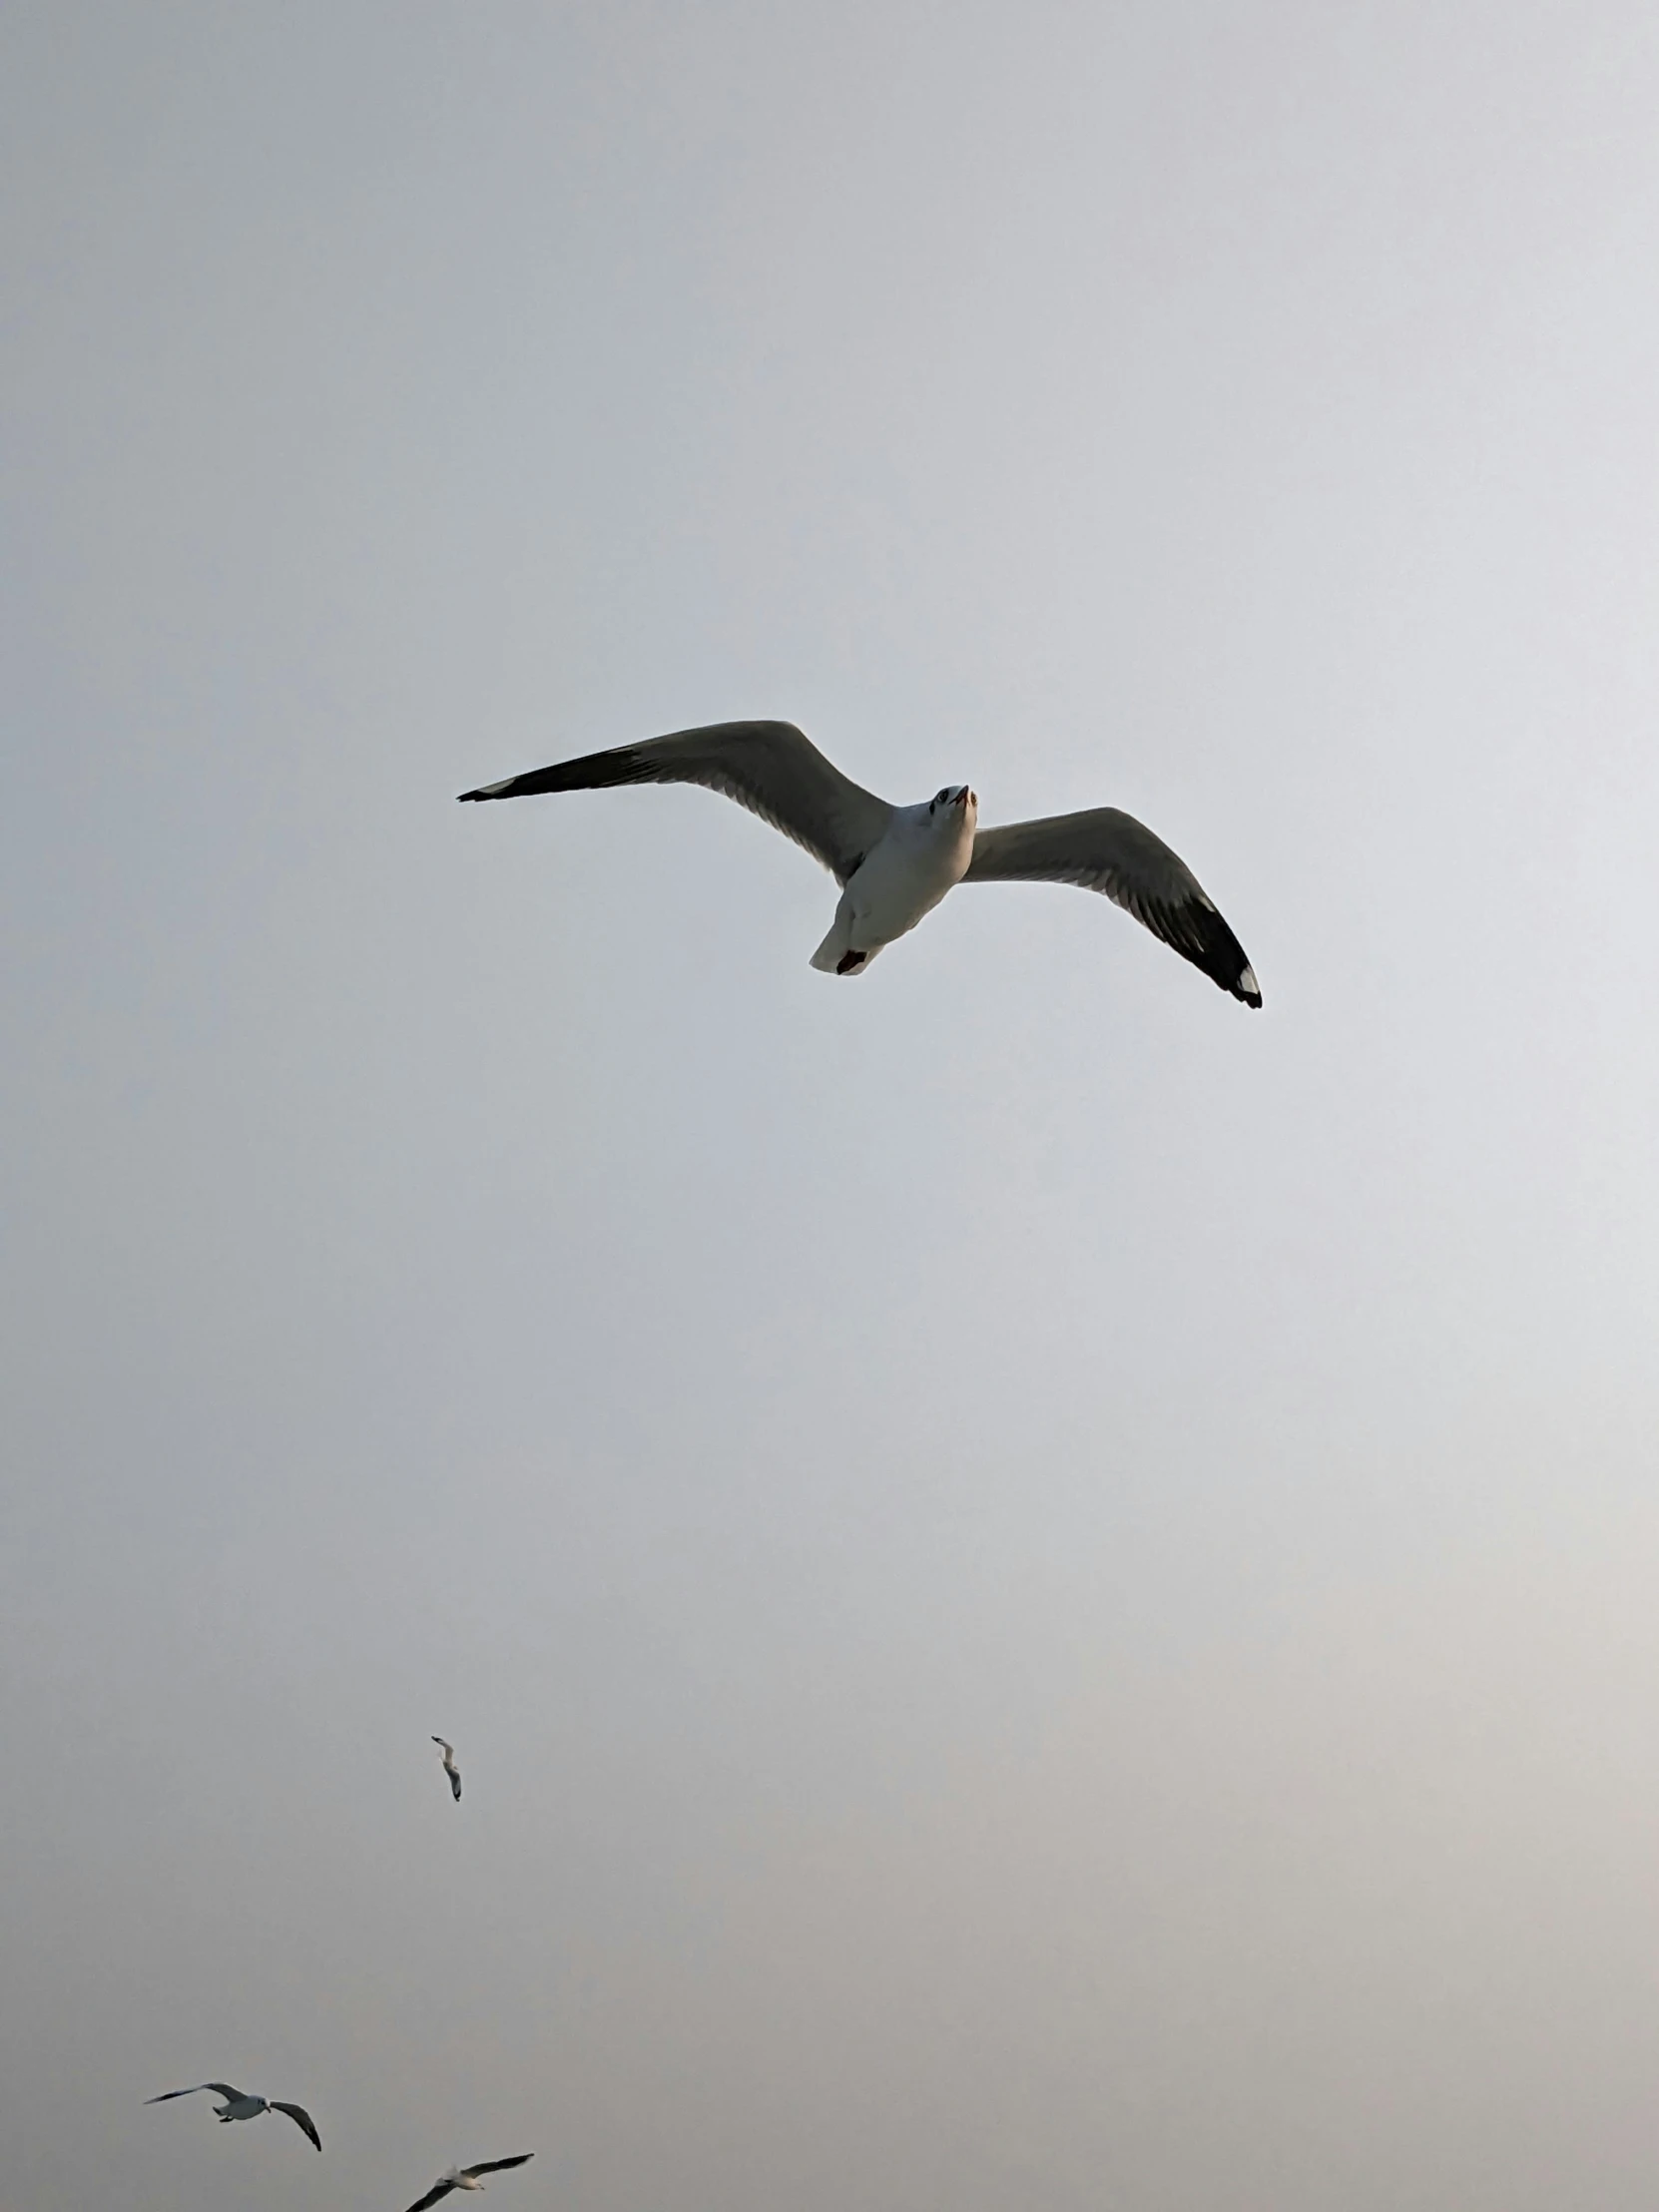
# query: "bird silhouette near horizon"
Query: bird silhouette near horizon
239,2105
466,2177
449,1766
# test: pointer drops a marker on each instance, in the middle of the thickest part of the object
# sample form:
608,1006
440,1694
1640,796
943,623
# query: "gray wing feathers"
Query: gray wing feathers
219,2088
772,768
1103,850
301,2118
438,2189
498,2165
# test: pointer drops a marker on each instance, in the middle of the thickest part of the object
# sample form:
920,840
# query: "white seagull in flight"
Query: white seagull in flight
466,2177
239,2105
894,864
449,1766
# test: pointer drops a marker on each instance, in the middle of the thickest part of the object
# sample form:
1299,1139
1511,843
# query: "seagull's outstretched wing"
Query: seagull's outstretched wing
301,2118
772,768
219,2088
498,2165
1105,851
438,2190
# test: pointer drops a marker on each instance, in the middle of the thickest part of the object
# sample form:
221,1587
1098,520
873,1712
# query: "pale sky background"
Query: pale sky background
1048,1589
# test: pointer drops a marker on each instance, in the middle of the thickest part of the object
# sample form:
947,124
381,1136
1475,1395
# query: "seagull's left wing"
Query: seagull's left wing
301,2118
1102,849
497,2165
438,2190
772,768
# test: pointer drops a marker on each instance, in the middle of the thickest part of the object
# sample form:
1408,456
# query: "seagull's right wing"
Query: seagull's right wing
219,2088
1103,850
772,768
301,2118
455,1783
497,2165
438,2189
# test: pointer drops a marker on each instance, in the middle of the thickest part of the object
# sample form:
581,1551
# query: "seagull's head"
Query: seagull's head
953,810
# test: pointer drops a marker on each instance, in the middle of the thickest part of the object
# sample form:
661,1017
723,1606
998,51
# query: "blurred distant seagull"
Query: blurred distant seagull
239,2105
466,2177
894,864
449,1766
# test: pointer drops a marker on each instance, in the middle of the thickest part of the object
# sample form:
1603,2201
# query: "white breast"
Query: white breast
909,873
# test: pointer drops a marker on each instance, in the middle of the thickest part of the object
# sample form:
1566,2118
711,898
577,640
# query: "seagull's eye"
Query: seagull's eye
943,796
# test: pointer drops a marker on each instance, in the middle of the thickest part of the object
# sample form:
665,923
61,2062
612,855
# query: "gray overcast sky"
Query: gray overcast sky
1046,1588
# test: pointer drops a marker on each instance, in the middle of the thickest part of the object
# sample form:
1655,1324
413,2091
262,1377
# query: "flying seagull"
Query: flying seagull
239,2105
449,1766
894,864
466,2177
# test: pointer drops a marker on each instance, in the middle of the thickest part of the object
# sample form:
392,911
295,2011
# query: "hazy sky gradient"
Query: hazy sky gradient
1047,1590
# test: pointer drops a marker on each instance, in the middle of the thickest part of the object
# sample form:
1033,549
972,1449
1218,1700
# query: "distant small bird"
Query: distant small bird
239,2105
894,864
466,2177
449,1766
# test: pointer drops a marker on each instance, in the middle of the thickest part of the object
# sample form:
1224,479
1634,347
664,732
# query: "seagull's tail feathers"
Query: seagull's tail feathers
828,953
836,957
